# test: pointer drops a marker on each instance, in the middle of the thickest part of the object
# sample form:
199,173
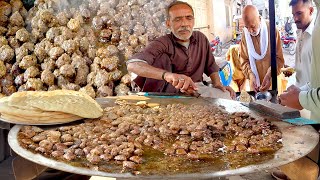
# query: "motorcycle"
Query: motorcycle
236,40
289,43
216,46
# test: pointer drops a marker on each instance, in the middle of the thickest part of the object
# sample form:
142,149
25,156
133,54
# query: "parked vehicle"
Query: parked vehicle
216,46
289,43
236,40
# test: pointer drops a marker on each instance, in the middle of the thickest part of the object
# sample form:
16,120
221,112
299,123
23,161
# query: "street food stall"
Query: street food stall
240,140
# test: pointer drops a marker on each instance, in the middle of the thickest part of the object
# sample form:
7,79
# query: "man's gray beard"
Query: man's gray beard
254,35
183,39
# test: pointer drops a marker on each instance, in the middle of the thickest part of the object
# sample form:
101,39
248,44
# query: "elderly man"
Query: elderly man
176,62
255,56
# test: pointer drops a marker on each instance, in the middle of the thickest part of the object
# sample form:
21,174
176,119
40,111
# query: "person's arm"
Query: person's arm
266,83
216,83
215,79
179,81
306,87
311,100
145,70
142,63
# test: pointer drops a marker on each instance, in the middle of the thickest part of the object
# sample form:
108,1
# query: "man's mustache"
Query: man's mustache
184,29
297,22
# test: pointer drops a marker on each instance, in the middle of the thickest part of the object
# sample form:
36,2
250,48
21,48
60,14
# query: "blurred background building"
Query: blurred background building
223,17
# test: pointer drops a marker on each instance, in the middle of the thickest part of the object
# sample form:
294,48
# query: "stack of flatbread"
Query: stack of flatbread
48,107
245,97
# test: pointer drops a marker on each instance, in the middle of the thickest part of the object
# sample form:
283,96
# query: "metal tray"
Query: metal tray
297,141
10,121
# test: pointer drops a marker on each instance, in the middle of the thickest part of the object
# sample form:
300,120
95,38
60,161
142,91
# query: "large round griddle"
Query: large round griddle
297,141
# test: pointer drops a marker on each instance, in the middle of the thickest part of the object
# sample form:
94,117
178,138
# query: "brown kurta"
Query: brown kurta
166,53
234,58
265,63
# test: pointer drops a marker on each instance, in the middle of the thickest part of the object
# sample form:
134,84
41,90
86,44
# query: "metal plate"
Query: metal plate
297,141
62,121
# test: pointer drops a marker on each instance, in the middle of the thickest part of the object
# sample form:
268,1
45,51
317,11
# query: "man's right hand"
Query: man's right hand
180,81
290,97
253,83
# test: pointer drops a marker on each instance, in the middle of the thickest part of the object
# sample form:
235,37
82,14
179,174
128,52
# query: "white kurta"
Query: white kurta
303,56
311,99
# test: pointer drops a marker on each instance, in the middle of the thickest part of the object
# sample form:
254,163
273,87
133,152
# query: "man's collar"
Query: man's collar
310,27
175,39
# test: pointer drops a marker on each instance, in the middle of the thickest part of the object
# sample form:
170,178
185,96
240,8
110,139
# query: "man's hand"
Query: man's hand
232,93
253,84
266,83
216,83
180,81
226,88
290,97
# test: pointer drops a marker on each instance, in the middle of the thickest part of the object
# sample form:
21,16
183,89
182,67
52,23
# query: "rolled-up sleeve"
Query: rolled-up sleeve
311,100
135,60
154,50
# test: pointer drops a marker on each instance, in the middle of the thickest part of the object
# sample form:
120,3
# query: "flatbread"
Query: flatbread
68,101
37,120
5,108
245,97
15,115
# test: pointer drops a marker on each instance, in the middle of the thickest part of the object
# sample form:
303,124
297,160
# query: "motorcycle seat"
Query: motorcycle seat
290,38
